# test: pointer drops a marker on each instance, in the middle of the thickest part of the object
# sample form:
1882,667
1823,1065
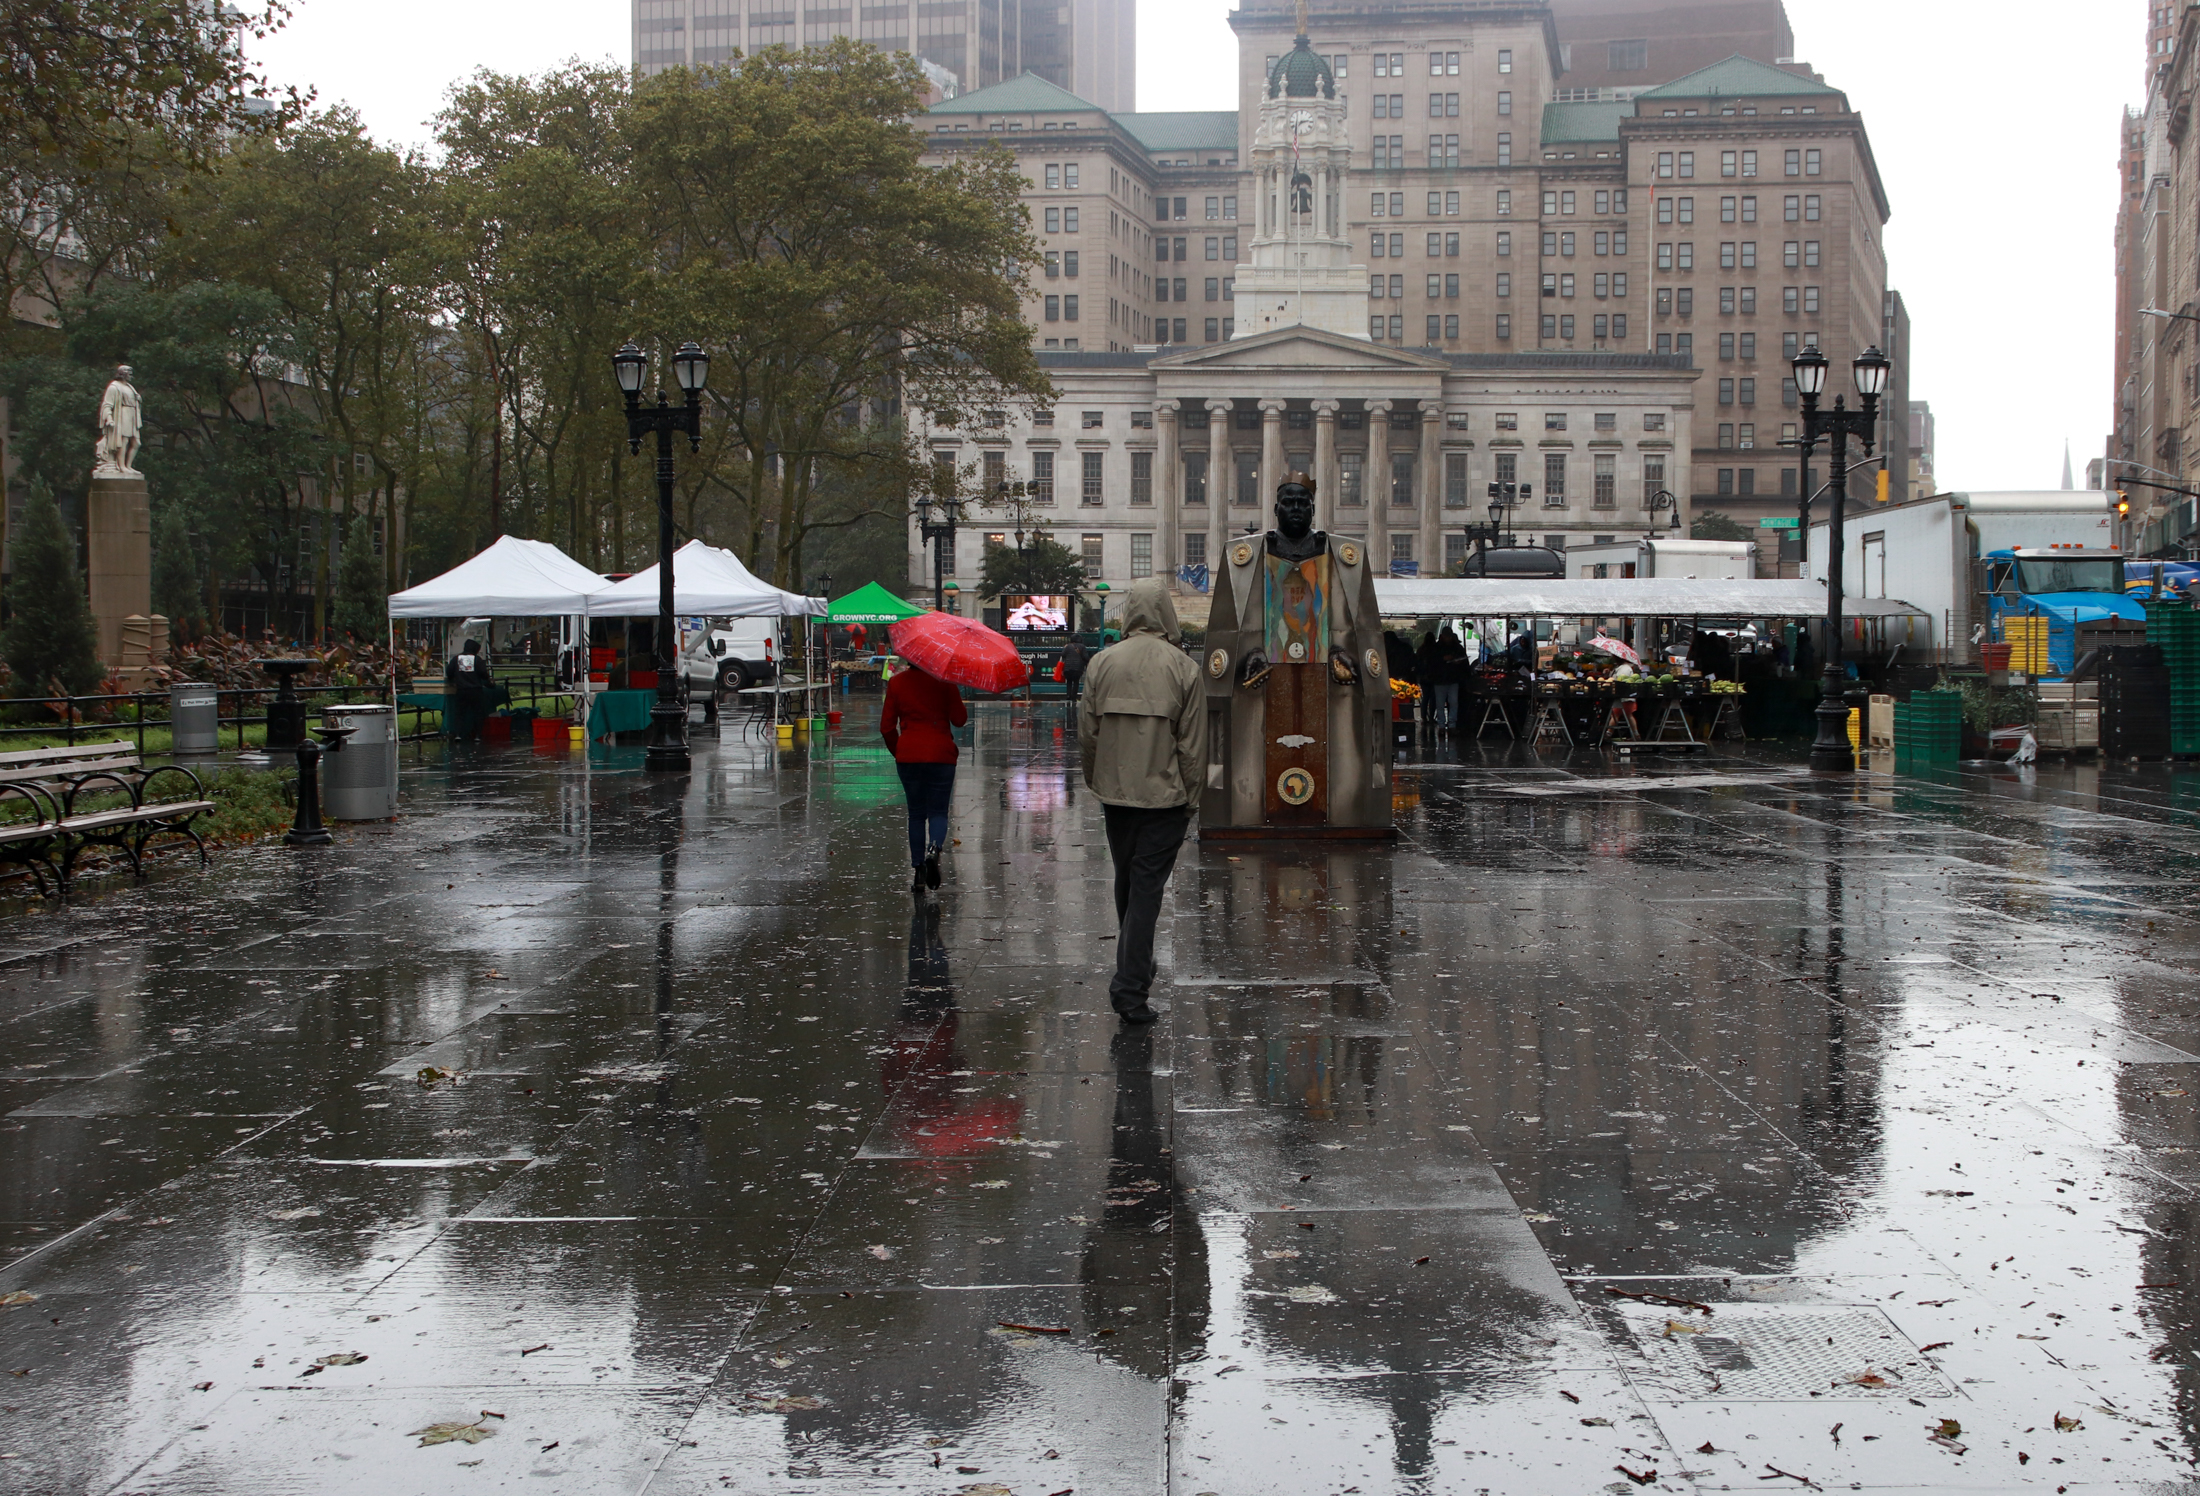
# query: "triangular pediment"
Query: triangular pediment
1301,348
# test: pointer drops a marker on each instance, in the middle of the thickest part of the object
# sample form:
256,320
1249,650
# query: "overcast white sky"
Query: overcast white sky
1995,128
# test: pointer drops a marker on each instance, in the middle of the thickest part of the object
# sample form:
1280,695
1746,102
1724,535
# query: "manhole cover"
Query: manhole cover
1780,1353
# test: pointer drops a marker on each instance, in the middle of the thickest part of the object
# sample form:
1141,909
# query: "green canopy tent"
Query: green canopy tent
871,603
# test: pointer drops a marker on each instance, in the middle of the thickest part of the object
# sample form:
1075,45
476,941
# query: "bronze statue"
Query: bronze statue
1298,691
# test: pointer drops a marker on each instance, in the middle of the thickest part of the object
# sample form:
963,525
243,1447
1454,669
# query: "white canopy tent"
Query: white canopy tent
1636,597
706,582
513,578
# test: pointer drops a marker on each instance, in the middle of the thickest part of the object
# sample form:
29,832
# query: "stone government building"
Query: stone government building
1415,261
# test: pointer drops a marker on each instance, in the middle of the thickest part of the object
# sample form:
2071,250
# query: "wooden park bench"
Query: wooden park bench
42,827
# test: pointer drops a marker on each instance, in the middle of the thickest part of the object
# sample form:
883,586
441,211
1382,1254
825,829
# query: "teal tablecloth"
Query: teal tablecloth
619,711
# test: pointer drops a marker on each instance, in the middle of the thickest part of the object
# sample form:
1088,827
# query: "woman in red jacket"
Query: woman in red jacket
918,722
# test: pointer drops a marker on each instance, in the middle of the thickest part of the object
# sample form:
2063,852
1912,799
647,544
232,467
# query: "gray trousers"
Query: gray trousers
1143,845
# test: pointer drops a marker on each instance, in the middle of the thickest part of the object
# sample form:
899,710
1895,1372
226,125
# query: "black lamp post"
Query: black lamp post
939,536
1504,499
1661,502
668,747
1831,751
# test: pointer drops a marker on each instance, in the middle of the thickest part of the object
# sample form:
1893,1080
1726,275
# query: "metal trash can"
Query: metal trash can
359,782
194,715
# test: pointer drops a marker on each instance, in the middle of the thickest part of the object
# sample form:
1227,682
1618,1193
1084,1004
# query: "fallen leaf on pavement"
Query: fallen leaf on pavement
883,1254
1948,1428
293,1215
341,1358
1938,1345
786,1404
1034,1329
11,1300
1707,1447
445,1433
1643,1478
1311,1294
2067,1425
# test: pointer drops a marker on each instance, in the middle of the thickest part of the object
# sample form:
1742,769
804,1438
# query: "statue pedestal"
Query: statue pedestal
118,531
144,646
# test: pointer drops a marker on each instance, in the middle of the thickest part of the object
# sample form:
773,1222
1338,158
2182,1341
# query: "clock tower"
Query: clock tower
1301,270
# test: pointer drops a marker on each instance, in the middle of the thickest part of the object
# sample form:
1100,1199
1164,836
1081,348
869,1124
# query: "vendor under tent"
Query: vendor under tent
706,582
711,583
512,578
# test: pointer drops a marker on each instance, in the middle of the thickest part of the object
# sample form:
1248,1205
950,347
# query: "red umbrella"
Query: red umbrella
961,651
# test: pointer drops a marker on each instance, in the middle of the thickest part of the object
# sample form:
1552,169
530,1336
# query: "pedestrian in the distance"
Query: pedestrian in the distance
466,680
918,720
1074,660
1142,731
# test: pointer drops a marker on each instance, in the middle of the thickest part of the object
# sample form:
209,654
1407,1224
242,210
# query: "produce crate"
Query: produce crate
2174,628
1928,728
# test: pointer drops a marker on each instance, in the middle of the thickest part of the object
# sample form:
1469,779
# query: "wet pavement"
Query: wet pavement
1695,1126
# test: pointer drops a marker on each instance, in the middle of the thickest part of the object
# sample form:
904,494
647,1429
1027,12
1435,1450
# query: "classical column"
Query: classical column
1432,489
1325,464
1168,487
1271,450
1221,482
1375,486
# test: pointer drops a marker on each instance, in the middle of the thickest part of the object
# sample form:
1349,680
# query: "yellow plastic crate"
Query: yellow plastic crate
2027,640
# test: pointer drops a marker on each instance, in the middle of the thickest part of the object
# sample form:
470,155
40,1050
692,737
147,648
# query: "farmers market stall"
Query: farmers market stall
1599,689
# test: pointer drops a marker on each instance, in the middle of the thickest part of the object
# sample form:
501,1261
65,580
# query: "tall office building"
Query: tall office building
1722,219
1088,47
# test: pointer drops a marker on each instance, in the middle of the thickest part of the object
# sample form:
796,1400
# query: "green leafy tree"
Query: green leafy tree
50,639
1044,565
1712,525
179,594
361,601
800,237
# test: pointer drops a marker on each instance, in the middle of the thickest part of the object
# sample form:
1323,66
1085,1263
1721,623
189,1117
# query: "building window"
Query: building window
1504,59
1090,491
1749,345
1504,328
1653,479
1351,476
1455,553
1606,495
1726,482
1504,149
1554,479
1550,327
1141,476
1619,326
1195,478
1451,326
1810,254
1069,309
1504,245
1653,420
1504,202
1054,309
1042,477
1749,301
1091,549
1787,393
1248,480
1401,480
1748,392
1726,392
1628,57
1214,327
1141,556
1508,467
1504,101
1812,161
1810,299
1401,550
1684,301
1195,549
1455,480
1749,163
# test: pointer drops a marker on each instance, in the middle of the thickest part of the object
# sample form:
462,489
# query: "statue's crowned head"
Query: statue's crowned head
1295,505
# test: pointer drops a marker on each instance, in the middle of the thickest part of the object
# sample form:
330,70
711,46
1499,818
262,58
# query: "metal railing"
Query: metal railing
101,718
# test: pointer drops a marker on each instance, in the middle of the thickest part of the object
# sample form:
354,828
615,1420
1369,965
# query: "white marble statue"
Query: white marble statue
116,449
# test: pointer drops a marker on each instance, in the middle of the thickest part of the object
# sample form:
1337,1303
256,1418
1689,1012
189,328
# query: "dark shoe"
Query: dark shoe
1140,1015
932,871
917,884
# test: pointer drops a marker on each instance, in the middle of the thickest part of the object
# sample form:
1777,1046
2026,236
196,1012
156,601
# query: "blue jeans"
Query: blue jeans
928,789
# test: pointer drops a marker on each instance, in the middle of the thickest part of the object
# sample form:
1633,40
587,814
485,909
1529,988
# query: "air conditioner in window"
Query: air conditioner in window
1746,446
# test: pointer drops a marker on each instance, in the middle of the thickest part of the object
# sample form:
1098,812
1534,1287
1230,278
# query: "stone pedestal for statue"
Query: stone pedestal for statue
118,525
1298,691
144,645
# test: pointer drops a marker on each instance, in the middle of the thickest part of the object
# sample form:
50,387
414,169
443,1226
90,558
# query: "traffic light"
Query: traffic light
2123,504
1883,481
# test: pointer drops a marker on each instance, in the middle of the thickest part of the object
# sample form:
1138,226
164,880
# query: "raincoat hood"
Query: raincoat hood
1149,610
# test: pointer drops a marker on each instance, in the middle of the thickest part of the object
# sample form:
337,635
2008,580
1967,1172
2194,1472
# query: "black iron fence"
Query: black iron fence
104,718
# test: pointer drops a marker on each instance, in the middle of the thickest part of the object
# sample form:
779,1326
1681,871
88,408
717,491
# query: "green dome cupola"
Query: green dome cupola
1301,73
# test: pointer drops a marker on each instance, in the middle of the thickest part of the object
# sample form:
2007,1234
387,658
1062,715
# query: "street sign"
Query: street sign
1789,523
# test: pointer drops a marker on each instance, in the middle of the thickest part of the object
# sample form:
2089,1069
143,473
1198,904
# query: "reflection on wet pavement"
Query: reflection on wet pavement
1689,1125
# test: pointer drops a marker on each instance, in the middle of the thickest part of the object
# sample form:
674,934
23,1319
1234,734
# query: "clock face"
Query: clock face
1301,121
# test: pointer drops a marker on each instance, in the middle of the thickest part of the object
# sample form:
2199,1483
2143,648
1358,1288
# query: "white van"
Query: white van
731,654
